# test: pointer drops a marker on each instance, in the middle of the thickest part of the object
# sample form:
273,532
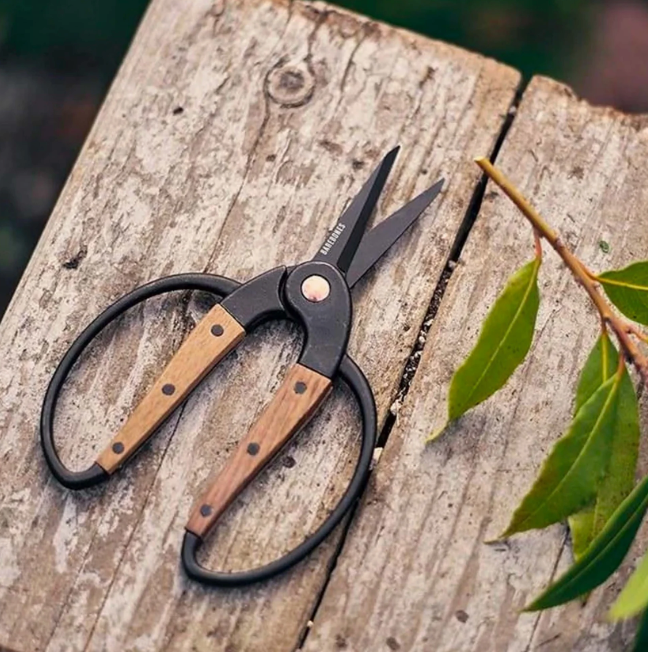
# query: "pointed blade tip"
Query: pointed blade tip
433,190
392,153
357,213
377,242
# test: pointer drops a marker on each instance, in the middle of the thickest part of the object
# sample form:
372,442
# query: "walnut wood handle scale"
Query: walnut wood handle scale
209,342
299,396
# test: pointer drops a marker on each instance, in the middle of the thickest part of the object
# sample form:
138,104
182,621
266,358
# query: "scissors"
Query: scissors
316,295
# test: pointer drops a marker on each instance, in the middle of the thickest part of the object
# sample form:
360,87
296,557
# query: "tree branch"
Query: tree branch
621,329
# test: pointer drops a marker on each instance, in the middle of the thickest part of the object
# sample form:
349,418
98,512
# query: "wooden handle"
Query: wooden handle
302,391
210,341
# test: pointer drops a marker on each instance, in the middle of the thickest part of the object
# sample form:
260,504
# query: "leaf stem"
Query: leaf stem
538,244
621,329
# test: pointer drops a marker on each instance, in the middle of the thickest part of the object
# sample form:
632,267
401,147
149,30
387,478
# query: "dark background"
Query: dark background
57,59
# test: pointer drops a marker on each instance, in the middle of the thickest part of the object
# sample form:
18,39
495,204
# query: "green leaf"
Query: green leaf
627,289
600,365
503,343
603,556
570,476
641,637
619,478
634,597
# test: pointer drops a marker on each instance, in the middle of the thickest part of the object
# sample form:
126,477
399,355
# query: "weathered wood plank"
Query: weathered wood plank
414,573
230,142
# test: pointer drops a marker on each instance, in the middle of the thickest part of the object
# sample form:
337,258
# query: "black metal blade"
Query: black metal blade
342,242
382,237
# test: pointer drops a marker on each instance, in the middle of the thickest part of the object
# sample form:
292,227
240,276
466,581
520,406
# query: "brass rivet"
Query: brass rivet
316,288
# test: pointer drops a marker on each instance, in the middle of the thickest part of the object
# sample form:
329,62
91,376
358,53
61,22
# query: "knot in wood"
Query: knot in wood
290,85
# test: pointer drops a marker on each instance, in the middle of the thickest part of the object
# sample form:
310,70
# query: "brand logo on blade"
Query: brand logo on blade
332,239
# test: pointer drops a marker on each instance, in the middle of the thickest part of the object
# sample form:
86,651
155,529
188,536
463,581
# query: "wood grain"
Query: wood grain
212,339
299,396
415,573
230,142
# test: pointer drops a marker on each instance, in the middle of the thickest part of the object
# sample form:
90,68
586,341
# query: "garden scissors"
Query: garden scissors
316,295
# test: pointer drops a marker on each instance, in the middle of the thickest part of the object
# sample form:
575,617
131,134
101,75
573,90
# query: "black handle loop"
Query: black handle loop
218,285
356,380
222,287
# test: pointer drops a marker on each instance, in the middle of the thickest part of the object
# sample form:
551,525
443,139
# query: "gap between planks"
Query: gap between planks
412,363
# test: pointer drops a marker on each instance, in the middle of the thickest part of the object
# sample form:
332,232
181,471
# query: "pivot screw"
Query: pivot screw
168,389
205,510
316,288
217,330
118,448
253,448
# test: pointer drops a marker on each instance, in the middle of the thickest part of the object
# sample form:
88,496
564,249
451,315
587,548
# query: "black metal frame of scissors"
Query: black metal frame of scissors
316,295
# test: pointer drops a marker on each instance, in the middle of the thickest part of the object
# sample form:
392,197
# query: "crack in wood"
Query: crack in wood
413,361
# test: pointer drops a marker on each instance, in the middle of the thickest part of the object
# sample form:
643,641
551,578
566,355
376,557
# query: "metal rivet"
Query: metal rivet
168,389
300,387
217,330
316,288
118,448
253,448
205,510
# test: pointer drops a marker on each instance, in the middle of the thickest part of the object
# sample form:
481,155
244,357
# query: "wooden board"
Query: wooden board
231,140
415,573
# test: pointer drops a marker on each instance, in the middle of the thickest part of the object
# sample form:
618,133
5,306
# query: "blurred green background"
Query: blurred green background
57,60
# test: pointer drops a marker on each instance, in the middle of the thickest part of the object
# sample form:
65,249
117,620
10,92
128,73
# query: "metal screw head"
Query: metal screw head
168,389
315,288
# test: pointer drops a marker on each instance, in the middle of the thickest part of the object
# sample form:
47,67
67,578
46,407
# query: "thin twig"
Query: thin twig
621,329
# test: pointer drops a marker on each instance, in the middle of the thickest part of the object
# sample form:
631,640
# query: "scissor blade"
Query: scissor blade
342,242
376,243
